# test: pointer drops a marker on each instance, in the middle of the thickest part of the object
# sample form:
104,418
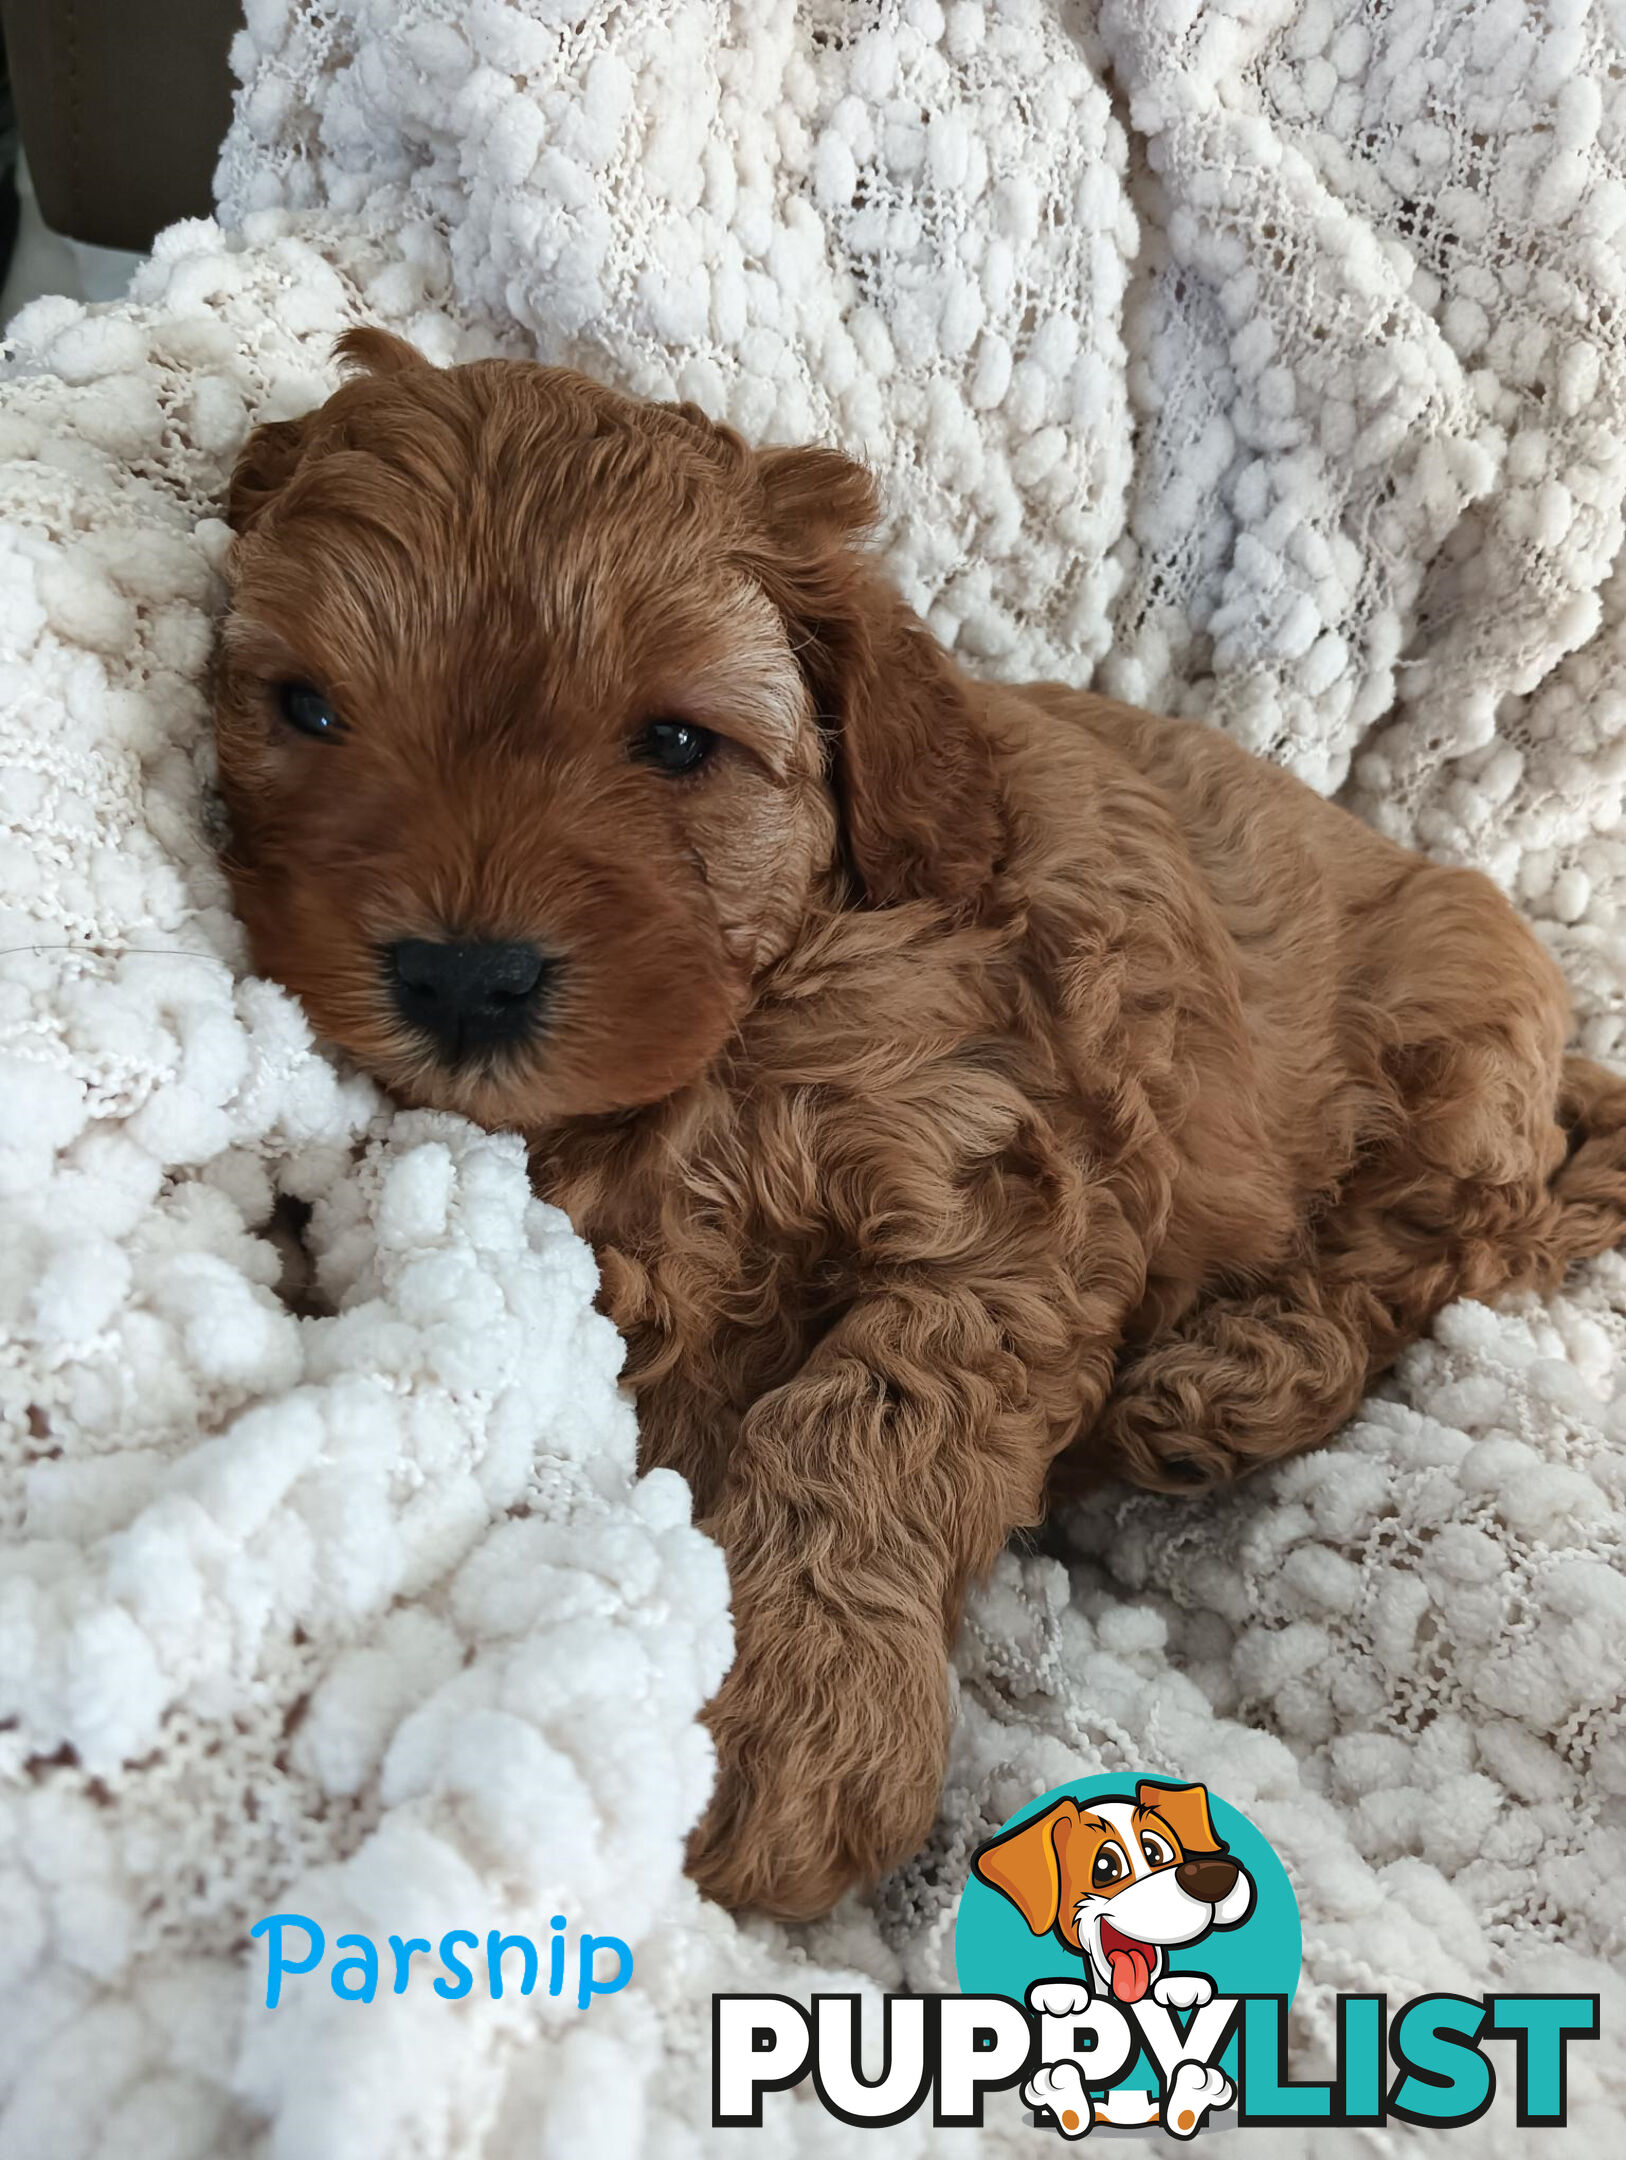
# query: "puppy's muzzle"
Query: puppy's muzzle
1210,1879
469,995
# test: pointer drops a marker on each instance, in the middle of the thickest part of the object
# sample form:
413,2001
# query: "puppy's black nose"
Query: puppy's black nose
466,994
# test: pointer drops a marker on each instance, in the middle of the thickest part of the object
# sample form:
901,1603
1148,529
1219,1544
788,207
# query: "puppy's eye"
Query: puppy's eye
1157,1853
1108,1868
307,710
673,746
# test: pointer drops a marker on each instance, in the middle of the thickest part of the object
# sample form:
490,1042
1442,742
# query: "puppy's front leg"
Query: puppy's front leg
862,1498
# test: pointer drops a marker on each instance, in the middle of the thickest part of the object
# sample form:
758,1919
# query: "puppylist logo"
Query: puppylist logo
1154,1913
1128,1949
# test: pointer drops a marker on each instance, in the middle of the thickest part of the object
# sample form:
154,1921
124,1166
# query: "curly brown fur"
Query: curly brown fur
969,1092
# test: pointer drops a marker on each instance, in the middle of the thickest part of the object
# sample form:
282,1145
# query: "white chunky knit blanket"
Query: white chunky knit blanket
1258,358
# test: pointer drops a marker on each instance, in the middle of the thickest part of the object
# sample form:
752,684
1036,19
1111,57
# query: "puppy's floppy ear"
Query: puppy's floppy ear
913,764
273,451
265,465
819,494
712,438
1027,1864
1185,1809
370,351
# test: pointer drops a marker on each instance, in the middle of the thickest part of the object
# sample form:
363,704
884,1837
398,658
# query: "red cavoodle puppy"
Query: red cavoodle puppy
970,1092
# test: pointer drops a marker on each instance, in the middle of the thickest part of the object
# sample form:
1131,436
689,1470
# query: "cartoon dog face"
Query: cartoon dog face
1121,1882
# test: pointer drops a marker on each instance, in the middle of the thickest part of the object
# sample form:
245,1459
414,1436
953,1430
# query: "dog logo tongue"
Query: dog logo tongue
1131,1964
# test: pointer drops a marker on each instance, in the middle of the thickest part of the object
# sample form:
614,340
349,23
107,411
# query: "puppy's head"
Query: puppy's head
545,716
1121,1881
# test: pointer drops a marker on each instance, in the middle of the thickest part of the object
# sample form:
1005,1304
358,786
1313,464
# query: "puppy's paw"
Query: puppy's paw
796,1819
1060,2088
751,1853
1194,2089
1183,1991
1059,1998
830,1747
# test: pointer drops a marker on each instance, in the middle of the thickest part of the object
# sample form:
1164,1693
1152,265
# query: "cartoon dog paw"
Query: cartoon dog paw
1194,2089
1059,1998
1183,1991
1059,2087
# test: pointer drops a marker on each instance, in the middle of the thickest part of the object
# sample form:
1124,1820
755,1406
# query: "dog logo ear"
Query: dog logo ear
1184,1808
1025,1865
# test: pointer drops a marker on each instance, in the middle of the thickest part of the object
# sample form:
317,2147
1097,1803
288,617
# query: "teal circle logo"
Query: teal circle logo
1126,1900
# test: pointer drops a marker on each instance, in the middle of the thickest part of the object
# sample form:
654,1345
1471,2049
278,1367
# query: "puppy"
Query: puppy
1123,1882
968,1091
